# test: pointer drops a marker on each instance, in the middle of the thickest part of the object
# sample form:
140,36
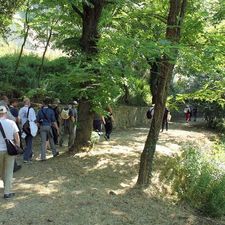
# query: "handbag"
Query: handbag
33,128
26,126
12,148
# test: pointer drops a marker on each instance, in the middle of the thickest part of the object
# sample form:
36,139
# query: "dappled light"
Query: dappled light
118,107
100,184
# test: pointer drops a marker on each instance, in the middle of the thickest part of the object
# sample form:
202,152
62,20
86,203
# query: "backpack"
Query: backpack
149,113
26,125
65,114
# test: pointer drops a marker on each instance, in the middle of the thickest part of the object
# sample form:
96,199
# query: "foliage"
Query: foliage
198,178
26,75
132,36
85,81
7,10
211,100
9,90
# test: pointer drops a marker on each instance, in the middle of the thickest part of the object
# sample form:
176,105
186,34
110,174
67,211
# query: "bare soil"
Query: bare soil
98,187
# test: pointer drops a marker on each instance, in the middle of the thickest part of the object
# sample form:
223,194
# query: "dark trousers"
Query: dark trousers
27,155
97,125
164,123
108,129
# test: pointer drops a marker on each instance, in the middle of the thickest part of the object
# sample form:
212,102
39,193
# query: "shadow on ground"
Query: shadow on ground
94,188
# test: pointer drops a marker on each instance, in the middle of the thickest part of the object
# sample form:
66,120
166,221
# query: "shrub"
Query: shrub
198,179
27,76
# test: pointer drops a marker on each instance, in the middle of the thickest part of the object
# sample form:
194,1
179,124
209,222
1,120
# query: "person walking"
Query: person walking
187,112
74,108
55,107
14,117
7,161
68,120
46,119
97,123
13,108
108,123
165,119
27,113
194,113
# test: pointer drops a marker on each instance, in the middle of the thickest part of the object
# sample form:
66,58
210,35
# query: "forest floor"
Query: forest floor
97,187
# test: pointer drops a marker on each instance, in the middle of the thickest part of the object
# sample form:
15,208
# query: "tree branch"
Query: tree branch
182,12
159,17
76,10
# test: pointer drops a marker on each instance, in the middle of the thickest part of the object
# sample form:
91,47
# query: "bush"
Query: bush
27,76
198,179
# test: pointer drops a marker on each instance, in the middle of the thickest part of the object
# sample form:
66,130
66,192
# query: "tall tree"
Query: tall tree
90,16
26,30
173,34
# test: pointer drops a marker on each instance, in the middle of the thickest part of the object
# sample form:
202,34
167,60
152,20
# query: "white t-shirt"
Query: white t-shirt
10,128
23,114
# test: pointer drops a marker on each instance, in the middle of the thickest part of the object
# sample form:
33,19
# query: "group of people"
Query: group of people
24,123
190,112
165,120
53,123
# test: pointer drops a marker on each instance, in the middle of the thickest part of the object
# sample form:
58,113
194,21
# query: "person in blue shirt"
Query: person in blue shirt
14,110
46,119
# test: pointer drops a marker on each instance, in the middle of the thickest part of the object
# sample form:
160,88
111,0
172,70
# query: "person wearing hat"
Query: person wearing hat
69,118
5,102
7,161
14,117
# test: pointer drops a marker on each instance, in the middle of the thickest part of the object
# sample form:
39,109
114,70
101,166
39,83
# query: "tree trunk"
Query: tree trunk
90,35
43,56
84,125
153,80
88,43
166,65
26,30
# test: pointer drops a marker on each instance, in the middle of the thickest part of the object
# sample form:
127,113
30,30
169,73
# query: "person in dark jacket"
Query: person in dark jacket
165,119
108,123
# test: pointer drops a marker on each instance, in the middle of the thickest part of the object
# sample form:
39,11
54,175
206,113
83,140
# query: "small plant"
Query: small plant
198,179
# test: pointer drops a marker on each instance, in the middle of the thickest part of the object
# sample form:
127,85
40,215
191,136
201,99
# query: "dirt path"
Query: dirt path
96,187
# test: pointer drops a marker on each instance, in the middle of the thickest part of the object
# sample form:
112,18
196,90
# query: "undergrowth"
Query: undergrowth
198,178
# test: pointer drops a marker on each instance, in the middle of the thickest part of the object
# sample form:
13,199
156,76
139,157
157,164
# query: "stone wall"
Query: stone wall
129,116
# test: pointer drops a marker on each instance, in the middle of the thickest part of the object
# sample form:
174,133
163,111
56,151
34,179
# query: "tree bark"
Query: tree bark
26,30
88,42
90,34
166,65
43,56
84,126
153,80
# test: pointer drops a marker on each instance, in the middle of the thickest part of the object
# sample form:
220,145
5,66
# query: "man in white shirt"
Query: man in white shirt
27,113
7,161
5,102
